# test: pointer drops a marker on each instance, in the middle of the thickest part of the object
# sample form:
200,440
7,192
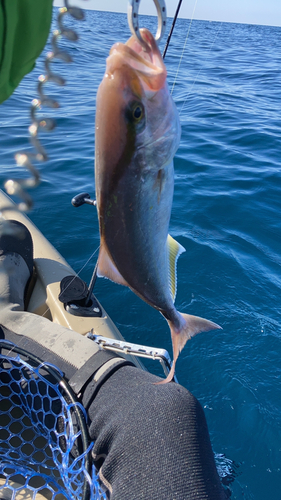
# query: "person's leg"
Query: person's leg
151,441
16,263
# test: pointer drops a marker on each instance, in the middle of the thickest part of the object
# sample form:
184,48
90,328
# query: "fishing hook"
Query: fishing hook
133,21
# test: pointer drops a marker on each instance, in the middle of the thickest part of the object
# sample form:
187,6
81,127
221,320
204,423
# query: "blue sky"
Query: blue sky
238,11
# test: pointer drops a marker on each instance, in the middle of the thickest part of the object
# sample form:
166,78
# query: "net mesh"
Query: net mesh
43,449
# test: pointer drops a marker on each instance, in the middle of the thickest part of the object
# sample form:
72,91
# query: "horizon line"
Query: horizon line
181,17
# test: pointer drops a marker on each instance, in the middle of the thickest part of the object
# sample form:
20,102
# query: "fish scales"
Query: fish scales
137,135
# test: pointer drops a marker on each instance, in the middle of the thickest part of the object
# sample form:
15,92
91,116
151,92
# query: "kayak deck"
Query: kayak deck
51,268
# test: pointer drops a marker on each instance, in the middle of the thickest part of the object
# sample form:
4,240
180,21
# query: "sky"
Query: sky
236,11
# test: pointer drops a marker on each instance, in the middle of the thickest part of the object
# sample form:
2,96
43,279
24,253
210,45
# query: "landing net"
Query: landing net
44,445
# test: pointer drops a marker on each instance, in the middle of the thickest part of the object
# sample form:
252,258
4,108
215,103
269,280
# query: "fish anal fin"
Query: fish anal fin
107,268
174,251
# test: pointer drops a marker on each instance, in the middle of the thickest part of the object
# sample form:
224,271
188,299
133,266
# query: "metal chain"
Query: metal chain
26,158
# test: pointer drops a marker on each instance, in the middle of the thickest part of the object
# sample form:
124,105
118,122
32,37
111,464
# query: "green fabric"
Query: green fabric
24,29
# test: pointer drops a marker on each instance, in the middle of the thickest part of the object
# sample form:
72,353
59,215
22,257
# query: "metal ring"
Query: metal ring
133,21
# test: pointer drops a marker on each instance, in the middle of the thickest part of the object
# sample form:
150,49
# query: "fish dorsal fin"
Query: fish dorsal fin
107,269
174,251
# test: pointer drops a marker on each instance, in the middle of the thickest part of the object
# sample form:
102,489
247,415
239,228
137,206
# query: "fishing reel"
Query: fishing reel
82,199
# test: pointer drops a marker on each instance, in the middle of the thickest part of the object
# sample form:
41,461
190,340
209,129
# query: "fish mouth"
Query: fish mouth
147,64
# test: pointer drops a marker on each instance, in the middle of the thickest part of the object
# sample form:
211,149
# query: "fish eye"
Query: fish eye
137,112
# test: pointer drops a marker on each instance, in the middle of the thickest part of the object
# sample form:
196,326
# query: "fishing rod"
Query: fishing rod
172,29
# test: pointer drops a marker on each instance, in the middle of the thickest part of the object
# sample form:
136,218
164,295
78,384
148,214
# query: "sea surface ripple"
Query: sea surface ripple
226,213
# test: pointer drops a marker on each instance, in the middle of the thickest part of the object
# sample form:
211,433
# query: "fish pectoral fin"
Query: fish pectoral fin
107,269
174,251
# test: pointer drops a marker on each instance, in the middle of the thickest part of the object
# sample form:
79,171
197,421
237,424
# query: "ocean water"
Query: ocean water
226,213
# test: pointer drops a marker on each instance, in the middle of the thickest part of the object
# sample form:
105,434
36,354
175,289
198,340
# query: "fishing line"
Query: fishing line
192,17
197,76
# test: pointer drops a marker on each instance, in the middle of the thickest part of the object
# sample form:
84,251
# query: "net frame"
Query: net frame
45,450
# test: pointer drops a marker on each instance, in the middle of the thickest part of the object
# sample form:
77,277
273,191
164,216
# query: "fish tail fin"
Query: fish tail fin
191,325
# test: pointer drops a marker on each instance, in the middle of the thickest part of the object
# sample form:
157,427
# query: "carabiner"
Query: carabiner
133,9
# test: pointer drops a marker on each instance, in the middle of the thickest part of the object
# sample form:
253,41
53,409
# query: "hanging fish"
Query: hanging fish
137,135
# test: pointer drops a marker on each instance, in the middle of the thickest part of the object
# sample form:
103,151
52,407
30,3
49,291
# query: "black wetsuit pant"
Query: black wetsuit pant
151,441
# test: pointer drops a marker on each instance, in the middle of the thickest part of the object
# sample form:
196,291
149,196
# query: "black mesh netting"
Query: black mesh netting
44,447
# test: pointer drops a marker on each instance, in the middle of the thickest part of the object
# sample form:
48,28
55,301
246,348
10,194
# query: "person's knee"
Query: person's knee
139,401
160,427
176,401
175,411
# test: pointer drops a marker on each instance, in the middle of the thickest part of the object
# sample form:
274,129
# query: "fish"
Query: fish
137,133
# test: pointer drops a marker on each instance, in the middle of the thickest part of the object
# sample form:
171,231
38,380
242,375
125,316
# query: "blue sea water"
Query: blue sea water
226,213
